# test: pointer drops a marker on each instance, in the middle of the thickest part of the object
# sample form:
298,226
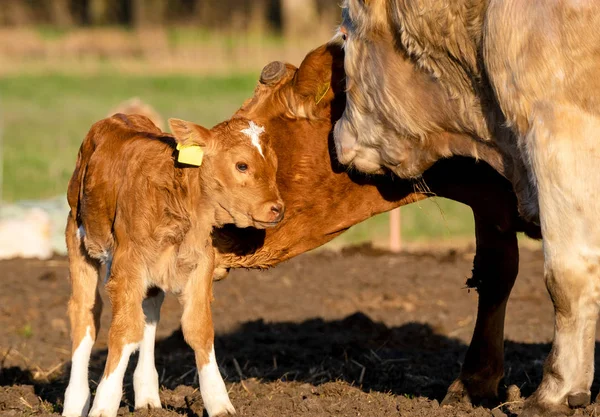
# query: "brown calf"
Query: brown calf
149,219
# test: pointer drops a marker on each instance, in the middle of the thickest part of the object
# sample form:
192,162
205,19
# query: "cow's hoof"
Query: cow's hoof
534,408
225,413
148,404
477,394
223,409
579,399
457,393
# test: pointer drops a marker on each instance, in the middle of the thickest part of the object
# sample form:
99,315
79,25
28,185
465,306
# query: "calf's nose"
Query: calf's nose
277,211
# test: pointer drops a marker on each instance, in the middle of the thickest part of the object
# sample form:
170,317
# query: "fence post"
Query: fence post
395,231
1,155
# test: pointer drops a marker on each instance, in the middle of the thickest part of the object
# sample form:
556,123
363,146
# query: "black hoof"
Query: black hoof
457,393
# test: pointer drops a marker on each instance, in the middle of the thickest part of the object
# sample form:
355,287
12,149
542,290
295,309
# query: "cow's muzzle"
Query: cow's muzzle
345,142
350,152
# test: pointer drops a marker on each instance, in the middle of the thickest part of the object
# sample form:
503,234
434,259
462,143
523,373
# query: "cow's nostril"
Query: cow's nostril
277,208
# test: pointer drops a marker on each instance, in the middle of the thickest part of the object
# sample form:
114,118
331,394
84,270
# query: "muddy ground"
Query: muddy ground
351,333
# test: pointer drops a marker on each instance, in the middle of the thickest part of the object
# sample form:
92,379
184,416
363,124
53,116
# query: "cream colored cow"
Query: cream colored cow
514,83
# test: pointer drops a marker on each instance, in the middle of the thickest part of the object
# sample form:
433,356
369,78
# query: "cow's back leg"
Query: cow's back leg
494,272
85,307
126,291
145,377
563,148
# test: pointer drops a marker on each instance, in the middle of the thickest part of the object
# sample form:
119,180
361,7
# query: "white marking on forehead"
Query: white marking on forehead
253,132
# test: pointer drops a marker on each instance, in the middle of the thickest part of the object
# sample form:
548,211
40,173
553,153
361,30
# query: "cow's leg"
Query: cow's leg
145,377
198,332
494,272
126,291
563,149
85,307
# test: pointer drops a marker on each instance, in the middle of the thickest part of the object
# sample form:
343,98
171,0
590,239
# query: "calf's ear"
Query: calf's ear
188,133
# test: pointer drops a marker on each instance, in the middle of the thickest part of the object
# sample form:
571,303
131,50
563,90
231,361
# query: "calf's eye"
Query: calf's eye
344,36
242,167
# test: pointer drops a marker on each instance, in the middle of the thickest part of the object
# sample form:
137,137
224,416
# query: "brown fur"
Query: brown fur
150,218
520,79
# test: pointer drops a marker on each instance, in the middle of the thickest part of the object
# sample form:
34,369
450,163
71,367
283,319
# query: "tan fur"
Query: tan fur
519,77
150,219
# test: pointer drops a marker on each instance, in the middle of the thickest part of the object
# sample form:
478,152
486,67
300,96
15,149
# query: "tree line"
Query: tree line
285,16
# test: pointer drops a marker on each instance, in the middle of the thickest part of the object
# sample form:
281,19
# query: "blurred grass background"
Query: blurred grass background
64,64
47,116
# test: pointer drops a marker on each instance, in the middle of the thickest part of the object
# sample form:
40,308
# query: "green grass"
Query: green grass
46,117
433,219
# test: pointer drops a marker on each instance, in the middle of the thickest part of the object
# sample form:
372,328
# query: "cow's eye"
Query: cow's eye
241,166
344,32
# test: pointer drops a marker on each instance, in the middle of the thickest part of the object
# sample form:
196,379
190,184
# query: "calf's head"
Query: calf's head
237,171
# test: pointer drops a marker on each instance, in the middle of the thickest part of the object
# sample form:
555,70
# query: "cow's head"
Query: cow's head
311,93
399,114
237,168
300,105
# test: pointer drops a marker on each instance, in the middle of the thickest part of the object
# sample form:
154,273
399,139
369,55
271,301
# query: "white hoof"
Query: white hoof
77,401
108,397
146,391
213,390
101,411
219,407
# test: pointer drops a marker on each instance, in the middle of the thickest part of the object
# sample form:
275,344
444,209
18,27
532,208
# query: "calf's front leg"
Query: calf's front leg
495,269
198,332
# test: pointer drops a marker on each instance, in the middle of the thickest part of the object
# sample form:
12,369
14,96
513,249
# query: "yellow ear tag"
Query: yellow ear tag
190,154
323,89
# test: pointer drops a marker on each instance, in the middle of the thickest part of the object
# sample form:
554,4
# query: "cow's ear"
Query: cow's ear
321,75
188,133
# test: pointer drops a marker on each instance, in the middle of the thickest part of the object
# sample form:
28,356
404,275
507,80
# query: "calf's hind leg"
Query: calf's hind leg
126,292
145,377
85,307
198,332
494,272
563,148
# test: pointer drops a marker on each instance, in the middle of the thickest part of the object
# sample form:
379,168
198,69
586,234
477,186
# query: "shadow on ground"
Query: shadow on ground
409,360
